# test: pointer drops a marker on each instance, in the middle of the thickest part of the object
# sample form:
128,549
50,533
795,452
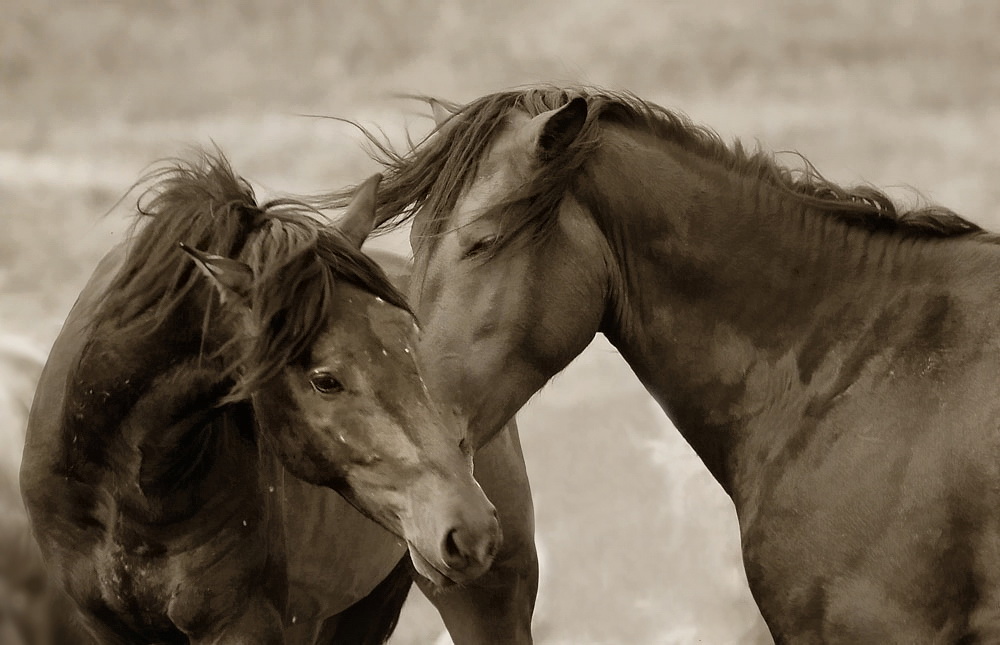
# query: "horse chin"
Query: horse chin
428,570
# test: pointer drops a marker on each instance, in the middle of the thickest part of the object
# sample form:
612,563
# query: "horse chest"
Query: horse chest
184,580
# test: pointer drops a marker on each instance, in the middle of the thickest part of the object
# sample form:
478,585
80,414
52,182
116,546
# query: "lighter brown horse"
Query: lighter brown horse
831,358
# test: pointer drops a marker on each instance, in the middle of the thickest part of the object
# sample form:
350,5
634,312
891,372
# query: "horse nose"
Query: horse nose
470,549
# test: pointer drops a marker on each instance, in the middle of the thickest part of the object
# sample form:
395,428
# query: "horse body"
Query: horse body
143,554
334,556
827,357
829,391
179,500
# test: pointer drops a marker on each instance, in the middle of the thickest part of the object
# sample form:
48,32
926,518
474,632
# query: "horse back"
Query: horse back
44,447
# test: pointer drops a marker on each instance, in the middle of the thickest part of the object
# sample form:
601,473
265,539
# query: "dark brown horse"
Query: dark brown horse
199,410
831,358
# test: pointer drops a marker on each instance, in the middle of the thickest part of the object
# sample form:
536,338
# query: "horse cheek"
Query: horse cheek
293,443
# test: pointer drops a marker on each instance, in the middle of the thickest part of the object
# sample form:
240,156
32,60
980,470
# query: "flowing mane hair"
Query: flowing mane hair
432,173
296,259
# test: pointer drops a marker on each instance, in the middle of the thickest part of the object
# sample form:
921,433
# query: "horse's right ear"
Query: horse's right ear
231,278
440,113
558,128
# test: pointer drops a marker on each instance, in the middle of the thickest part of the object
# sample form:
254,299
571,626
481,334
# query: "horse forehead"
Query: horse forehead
503,168
362,323
487,189
389,324
372,321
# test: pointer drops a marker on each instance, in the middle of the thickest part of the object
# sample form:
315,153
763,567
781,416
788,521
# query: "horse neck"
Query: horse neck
145,409
738,299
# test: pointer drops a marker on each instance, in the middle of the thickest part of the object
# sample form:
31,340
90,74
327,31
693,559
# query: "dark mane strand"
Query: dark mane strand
201,203
432,174
295,255
296,264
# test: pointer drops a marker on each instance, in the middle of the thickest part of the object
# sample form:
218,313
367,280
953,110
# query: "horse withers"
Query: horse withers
830,357
216,382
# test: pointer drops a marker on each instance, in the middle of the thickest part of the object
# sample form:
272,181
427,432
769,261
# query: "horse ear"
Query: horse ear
359,218
440,112
232,278
560,127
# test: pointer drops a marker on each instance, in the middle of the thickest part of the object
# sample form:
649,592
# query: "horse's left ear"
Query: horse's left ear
359,218
232,278
560,127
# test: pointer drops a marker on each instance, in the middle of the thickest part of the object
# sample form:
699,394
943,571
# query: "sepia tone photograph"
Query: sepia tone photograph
441,322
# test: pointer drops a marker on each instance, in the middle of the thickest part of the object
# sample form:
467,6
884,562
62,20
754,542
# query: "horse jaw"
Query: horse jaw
426,569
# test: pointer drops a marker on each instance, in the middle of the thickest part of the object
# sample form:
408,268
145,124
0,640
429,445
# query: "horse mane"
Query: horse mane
432,173
295,256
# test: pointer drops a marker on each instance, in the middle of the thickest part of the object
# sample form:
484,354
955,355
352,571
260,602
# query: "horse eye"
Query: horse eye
481,246
326,383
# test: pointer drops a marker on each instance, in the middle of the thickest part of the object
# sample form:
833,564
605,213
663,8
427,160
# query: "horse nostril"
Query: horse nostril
452,551
463,550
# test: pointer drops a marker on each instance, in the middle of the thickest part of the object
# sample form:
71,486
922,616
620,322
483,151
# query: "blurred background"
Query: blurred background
640,545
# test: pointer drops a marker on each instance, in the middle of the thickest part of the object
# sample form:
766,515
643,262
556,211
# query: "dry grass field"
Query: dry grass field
641,545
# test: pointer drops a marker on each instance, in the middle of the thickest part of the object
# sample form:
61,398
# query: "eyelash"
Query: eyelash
481,246
326,383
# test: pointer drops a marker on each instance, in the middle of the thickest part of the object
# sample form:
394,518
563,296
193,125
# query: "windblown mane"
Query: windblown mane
295,258
432,173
